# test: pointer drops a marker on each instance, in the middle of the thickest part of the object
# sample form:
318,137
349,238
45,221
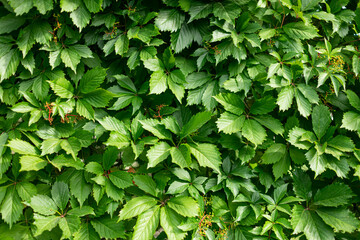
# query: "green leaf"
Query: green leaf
43,204
147,224
170,222
71,146
80,17
146,183
271,123
43,5
136,206
356,64
11,207
22,147
50,145
169,20
230,123
333,195
10,22
310,223
22,107
86,231
181,155
9,63
92,79
112,191
122,45
109,158
263,106
207,155
43,223
83,108
156,129
60,194
40,87
69,5
94,6
185,37
158,153
321,120
309,4
285,98
26,190
302,185
41,31
32,163
304,106
69,225
185,206
274,153
298,30
226,10
342,143
79,187
62,87
341,219
317,161
254,132
195,123
70,58
199,10
62,161
353,99
121,179
351,121
158,82
231,102
267,33
109,228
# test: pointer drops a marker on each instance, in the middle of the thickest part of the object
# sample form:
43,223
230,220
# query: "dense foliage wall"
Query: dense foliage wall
179,119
